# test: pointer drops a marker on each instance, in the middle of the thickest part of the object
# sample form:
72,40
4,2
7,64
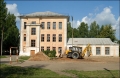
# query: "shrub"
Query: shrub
50,53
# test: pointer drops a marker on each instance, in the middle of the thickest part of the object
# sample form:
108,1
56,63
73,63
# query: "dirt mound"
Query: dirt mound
40,56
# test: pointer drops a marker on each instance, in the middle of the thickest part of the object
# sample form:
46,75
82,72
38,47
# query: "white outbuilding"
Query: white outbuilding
99,46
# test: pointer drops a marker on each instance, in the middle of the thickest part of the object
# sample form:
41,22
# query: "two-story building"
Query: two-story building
43,31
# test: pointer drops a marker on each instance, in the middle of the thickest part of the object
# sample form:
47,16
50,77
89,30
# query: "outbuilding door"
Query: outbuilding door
32,52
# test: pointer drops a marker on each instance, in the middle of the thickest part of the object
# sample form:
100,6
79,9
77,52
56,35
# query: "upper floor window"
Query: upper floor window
54,25
32,43
60,37
42,48
107,50
43,25
24,25
48,25
33,31
48,37
97,50
42,37
54,37
60,25
33,22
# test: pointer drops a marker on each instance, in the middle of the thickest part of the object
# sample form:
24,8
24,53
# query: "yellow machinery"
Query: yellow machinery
75,53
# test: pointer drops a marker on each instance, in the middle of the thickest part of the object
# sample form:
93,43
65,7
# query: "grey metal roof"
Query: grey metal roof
93,41
47,13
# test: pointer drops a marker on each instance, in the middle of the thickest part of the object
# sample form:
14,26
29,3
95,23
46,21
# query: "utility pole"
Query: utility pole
72,31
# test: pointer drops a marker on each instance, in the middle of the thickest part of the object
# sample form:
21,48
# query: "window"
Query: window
48,37
42,48
42,37
107,50
97,50
54,48
24,37
33,22
59,49
43,25
54,37
32,43
48,48
60,37
33,31
48,25
60,25
24,25
54,25
70,48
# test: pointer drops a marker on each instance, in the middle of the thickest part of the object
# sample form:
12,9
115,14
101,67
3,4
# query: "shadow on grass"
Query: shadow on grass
110,72
7,71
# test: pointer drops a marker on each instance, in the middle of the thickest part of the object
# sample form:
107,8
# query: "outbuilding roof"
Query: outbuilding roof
93,41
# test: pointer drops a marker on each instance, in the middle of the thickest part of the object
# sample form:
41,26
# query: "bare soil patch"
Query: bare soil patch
40,56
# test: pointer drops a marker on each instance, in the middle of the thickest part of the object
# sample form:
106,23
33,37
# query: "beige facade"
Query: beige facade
31,38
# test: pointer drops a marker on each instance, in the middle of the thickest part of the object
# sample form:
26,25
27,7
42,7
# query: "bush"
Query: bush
50,53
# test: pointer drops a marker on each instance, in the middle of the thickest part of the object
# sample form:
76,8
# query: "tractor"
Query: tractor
76,52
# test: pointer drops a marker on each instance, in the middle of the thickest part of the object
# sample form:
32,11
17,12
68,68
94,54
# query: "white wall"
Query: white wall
114,49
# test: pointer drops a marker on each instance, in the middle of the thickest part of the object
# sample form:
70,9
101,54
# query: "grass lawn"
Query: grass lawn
23,58
7,71
3,56
95,74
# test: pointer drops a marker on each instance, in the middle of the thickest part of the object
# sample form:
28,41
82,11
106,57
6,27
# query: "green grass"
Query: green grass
8,71
95,74
24,57
3,56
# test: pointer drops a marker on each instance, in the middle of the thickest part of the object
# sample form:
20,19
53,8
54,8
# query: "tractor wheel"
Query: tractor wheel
75,55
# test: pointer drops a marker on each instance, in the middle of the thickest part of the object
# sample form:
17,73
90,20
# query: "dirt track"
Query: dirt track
86,64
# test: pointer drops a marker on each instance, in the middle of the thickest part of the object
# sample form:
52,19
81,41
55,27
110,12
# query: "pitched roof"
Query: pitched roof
93,41
47,13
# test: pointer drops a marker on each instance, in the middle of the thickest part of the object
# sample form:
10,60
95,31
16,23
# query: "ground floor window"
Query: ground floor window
42,48
107,50
97,50
60,49
54,48
48,48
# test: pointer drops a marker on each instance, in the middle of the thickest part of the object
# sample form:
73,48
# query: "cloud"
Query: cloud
102,18
12,8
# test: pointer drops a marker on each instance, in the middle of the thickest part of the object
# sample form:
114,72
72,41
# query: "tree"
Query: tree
83,30
75,33
8,27
94,30
3,15
107,31
11,36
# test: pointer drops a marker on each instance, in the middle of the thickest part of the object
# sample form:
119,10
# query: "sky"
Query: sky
103,12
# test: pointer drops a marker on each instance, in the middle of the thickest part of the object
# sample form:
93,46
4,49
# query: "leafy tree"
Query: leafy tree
3,15
107,31
8,27
94,30
75,33
83,30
